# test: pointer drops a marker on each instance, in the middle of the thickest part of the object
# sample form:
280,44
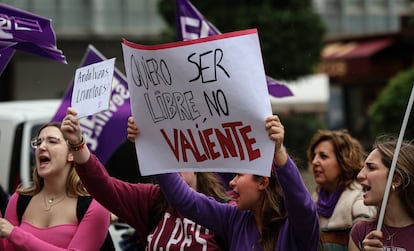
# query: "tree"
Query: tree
291,33
299,131
387,112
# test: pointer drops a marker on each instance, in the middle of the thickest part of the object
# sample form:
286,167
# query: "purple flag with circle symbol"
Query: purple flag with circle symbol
191,24
105,131
28,32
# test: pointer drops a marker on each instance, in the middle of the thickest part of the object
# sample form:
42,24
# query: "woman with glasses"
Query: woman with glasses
335,158
49,214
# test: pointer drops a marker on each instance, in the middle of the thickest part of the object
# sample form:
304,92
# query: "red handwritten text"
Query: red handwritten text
230,141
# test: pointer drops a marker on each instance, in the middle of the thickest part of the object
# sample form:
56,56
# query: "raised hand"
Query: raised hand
132,130
71,127
276,133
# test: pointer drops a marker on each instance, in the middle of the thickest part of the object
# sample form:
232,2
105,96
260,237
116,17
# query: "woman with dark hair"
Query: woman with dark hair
397,230
49,219
335,158
159,225
271,213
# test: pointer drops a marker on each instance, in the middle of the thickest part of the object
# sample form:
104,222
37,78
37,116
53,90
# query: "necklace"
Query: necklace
49,203
390,237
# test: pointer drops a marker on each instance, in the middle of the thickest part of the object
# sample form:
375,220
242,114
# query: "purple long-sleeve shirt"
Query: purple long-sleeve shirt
300,231
133,203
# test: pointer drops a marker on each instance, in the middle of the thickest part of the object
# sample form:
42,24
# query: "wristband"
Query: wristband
79,146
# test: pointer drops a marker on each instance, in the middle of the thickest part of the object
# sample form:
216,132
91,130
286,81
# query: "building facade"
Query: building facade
366,45
342,17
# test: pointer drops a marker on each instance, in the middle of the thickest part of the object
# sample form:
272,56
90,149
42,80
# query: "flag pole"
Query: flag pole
394,160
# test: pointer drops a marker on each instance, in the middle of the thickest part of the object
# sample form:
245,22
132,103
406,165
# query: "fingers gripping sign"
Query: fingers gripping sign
276,133
71,127
132,130
276,130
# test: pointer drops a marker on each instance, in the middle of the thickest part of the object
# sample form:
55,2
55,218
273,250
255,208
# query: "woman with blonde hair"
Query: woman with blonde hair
49,219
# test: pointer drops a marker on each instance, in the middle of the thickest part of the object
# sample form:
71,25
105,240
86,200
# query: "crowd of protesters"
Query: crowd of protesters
193,211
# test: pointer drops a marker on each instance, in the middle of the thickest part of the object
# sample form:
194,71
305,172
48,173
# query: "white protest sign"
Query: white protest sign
200,105
92,88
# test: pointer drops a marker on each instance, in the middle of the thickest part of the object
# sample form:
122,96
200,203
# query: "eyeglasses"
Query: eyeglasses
50,141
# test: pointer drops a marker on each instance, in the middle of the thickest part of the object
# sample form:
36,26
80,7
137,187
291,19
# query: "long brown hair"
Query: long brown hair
74,186
348,151
273,212
404,168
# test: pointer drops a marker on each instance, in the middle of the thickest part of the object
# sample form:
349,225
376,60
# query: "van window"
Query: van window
14,178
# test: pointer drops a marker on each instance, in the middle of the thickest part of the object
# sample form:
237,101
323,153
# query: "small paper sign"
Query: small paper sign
92,88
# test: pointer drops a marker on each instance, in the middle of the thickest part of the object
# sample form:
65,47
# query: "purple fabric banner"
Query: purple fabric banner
191,24
276,89
104,131
28,32
5,56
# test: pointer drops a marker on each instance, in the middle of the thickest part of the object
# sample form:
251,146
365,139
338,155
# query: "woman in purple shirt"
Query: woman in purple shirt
272,213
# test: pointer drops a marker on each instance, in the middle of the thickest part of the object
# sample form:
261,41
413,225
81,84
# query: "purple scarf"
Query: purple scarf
327,202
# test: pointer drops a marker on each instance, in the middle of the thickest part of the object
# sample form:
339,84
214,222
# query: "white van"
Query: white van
19,123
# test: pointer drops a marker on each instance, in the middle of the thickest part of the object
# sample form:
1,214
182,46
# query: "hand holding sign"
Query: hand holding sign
200,104
92,87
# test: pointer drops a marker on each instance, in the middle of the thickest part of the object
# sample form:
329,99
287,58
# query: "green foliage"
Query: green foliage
291,36
299,129
291,33
387,112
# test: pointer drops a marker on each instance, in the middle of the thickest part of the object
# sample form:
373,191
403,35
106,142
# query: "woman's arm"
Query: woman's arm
130,202
364,236
199,208
276,133
302,213
352,246
92,229
96,221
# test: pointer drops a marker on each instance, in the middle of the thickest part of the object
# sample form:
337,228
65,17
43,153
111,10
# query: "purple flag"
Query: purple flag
104,131
191,24
5,56
28,32
276,89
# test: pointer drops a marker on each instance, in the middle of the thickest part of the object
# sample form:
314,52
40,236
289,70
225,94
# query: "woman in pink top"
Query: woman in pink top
50,220
1,239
